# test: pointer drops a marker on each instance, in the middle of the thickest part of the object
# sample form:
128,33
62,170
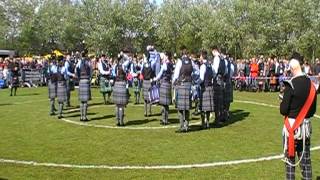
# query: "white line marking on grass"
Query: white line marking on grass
183,166
116,127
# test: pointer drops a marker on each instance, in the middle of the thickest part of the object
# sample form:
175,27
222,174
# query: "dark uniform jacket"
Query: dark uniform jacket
295,95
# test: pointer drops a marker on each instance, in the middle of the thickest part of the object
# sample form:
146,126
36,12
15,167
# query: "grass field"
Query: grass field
28,133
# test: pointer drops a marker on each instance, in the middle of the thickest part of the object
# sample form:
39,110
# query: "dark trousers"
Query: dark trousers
305,163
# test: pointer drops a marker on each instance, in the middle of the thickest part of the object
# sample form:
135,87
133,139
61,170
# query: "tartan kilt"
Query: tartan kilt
228,93
183,96
105,85
207,99
120,95
218,94
52,87
146,87
62,91
84,90
15,81
165,93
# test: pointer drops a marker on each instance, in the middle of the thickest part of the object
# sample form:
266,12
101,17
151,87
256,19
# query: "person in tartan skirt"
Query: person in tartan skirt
206,95
84,72
148,75
52,84
120,94
297,129
14,72
105,69
61,86
220,69
182,80
137,81
228,93
69,66
165,76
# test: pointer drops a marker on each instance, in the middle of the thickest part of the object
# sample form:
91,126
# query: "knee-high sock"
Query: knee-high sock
104,98
68,97
121,114
81,110
117,115
166,113
85,109
145,108
186,120
149,109
181,118
15,90
11,89
203,118
52,106
109,95
207,119
60,108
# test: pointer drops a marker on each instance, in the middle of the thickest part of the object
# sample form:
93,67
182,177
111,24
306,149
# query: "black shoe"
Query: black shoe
60,117
52,114
118,124
10,94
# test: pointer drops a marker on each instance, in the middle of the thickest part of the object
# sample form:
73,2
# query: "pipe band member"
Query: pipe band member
220,69
69,66
137,81
52,84
148,75
120,94
298,106
228,93
15,69
84,73
61,86
206,96
165,76
105,69
182,80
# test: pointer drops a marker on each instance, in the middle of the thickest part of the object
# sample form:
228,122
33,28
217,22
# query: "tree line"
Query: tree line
243,27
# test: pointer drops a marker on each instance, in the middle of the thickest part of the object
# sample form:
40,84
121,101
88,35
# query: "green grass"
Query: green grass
28,133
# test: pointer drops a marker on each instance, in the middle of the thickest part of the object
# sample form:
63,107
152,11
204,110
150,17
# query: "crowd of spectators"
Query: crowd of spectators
255,74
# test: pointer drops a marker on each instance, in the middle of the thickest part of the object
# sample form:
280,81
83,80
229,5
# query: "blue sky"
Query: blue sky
159,2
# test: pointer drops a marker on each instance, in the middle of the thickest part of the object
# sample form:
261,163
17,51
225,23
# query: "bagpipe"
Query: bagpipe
154,93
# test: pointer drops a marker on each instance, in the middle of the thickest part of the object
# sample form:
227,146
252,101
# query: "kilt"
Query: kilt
62,91
84,90
165,93
207,99
183,96
52,87
120,95
105,85
228,93
15,81
146,88
218,94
